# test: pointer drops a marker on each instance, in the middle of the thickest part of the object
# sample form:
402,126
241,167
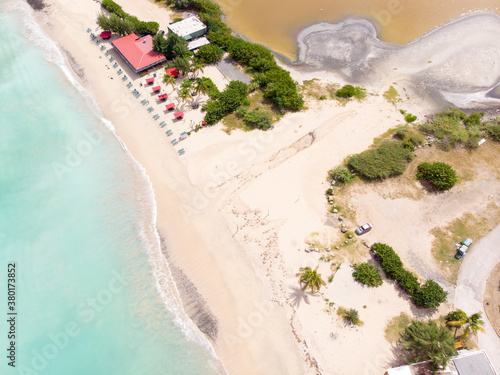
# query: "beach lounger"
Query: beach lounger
98,42
89,29
103,48
156,117
173,140
129,85
182,153
138,95
107,52
162,124
175,143
111,59
150,109
115,65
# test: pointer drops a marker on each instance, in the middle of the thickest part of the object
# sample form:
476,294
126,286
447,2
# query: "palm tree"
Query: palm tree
456,319
474,324
197,66
169,79
459,319
310,278
185,95
201,86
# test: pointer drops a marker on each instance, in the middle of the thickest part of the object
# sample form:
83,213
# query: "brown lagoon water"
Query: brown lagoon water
276,23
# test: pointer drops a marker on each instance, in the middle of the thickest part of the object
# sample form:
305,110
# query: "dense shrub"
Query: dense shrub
348,91
440,175
171,47
401,133
226,102
474,119
258,119
209,54
281,89
341,174
139,27
113,7
410,118
367,274
453,127
494,131
429,295
388,159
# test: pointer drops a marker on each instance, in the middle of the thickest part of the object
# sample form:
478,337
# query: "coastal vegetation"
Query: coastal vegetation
209,54
426,341
367,274
453,127
139,27
440,175
309,278
385,160
349,91
351,316
428,295
396,326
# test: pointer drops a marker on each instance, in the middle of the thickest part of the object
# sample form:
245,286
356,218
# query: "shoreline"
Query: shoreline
188,246
211,210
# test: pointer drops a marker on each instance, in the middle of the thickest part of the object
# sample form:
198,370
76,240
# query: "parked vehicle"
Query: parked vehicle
363,229
461,252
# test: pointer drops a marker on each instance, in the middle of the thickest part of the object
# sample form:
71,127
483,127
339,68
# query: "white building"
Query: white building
188,28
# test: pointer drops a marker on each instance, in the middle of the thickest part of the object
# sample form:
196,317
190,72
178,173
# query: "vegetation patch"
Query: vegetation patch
392,96
367,274
122,23
349,91
386,160
351,316
428,295
396,326
453,127
440,175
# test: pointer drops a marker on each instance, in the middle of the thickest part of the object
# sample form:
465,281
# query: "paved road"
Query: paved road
229,71
471,286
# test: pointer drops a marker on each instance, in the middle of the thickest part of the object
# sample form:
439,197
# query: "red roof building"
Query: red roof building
138,52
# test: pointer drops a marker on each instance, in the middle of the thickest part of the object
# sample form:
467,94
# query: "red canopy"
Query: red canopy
172,71
150,80
105,35
163,96
170,106
157,88
179,114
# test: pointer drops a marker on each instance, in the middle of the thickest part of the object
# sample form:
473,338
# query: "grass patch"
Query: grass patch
392,96
315,89
396,326
468,226
257,101
350,316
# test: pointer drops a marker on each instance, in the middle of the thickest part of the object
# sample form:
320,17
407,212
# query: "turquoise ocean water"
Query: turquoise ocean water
76,216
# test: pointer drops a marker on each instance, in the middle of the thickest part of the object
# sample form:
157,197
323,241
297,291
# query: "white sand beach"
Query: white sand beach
235,210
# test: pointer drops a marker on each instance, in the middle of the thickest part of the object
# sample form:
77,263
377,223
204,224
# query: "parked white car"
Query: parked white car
463,249
363,229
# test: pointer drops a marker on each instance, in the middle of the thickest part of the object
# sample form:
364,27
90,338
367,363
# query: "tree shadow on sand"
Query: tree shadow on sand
297,295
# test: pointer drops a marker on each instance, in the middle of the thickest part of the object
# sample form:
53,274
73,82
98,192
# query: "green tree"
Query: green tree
440,175
201,86
182,65
185,95
367,274
196,67
209,54
310,278
471,324
169,79
103,22
430,295
425,341
474,323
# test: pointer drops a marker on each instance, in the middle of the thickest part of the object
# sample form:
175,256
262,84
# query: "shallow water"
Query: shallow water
76,220
276,23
